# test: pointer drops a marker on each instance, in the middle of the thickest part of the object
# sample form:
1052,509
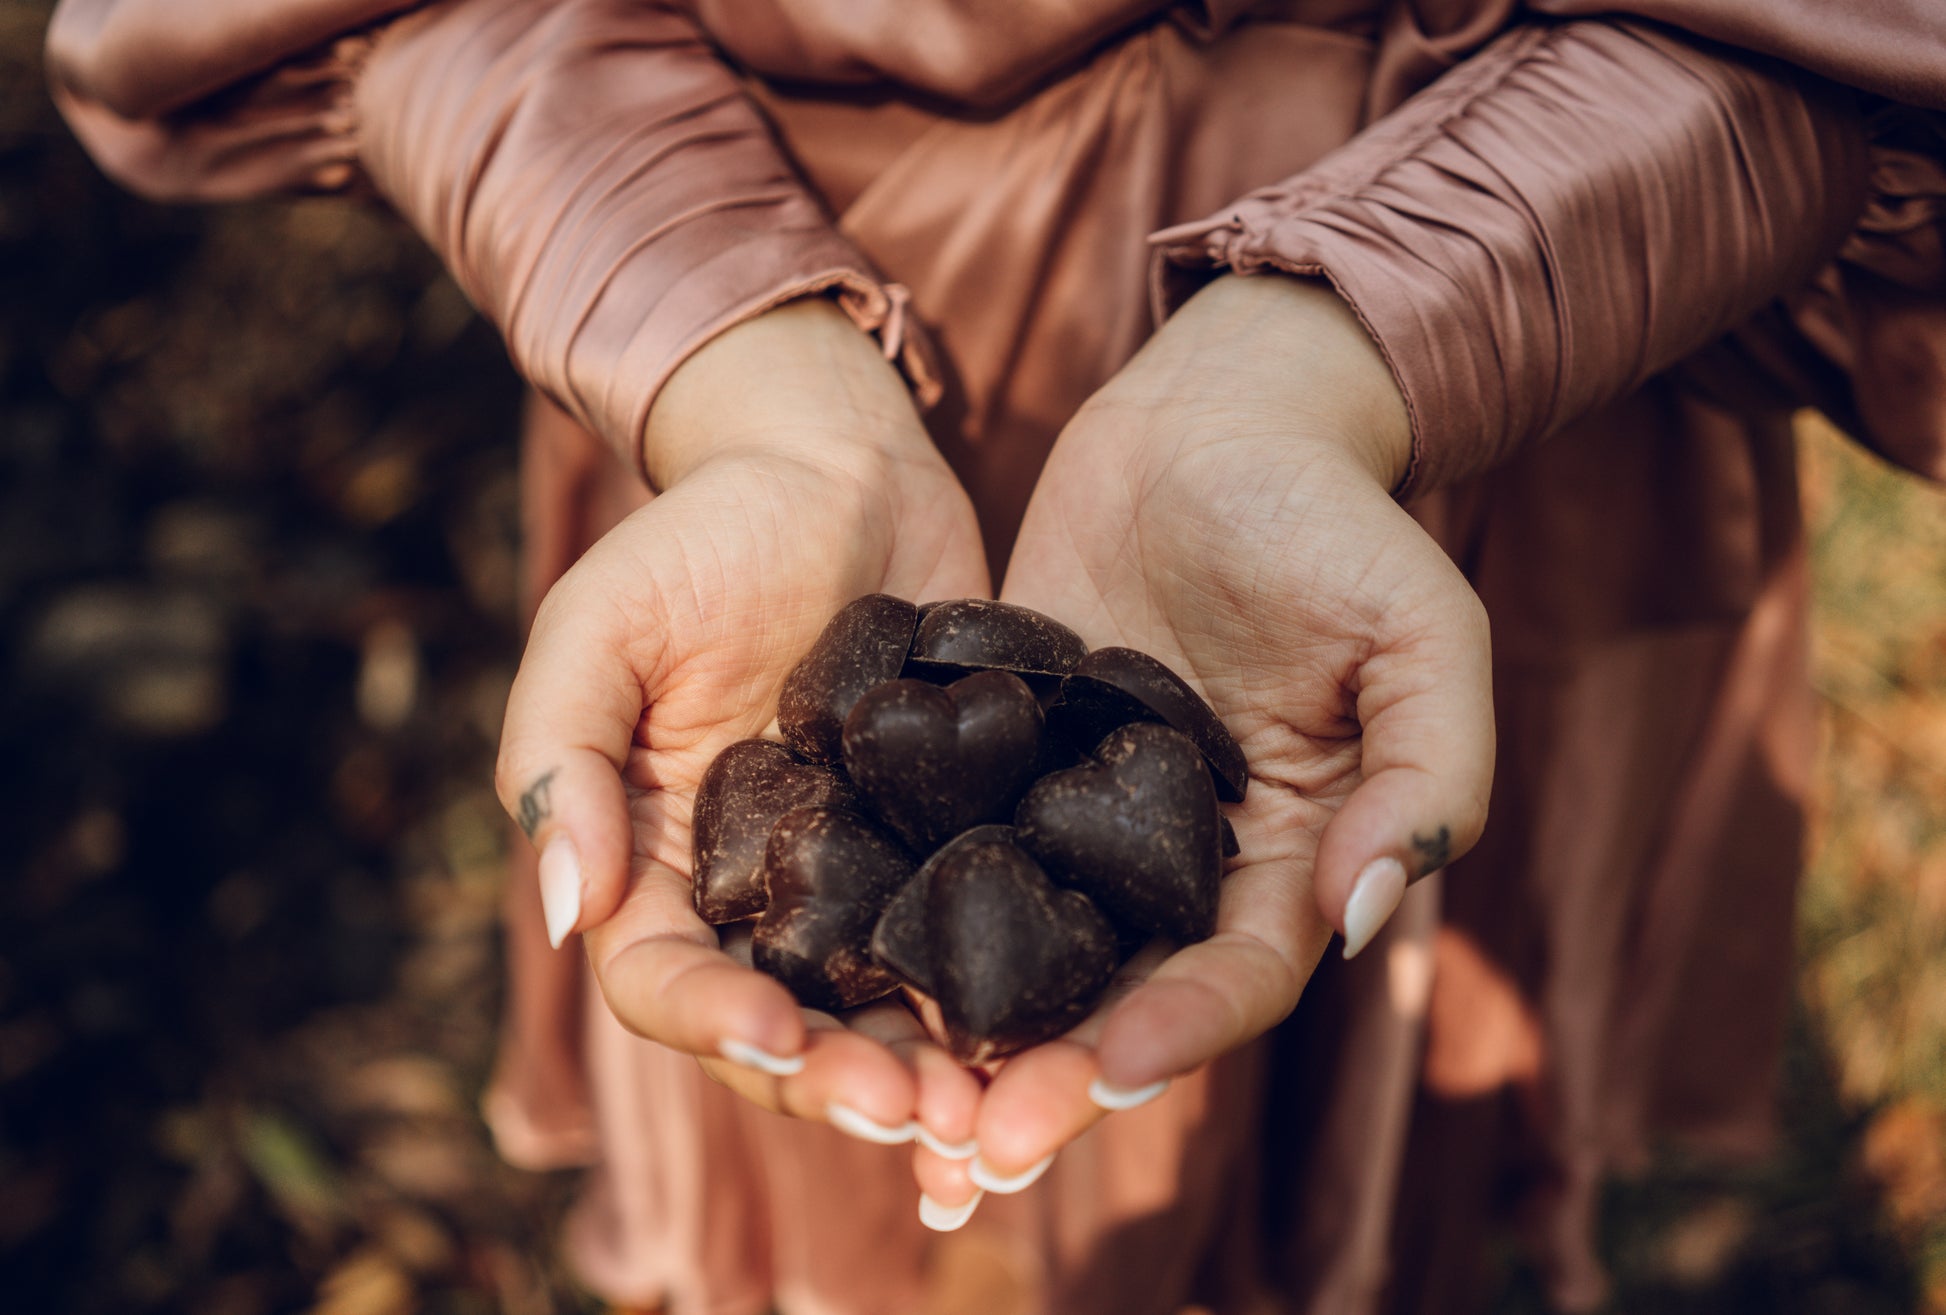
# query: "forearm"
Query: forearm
799,381
1271,357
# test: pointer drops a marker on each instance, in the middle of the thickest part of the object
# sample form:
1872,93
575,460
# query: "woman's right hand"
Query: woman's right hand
1224,504
796,476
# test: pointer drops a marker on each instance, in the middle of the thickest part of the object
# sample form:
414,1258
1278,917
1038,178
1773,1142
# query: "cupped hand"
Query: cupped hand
794,477
1224,504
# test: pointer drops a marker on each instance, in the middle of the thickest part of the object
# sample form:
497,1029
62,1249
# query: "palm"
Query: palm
667,641
713,615
1284,584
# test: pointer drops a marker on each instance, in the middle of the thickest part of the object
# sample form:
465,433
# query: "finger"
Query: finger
707,1005
934,1100
1037,1104
1213,996
664,978
949,1092
948,1099
847,1080
1046,1096
947,1108
571,717
854,1082
873,1094
947,1194
1425,705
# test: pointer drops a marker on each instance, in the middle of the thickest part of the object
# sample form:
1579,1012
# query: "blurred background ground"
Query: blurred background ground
256,626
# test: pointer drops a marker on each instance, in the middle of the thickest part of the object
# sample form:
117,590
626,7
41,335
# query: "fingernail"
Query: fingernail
1374,895
945,1218
560,888
1111,1097
987,1179
848,1120
938,1145
742,1052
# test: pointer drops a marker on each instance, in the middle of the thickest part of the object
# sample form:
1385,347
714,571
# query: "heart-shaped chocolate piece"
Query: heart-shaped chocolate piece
1115,686
978,634
1015,959
933,762
830,873
901,940
1137,831
863,645
744,791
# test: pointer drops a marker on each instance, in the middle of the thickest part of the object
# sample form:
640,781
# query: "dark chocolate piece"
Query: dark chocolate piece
829,873
864,645
933,762
900,941
1137,831
977,634
1115,686
745,790
1016,960
1231,846
1057,755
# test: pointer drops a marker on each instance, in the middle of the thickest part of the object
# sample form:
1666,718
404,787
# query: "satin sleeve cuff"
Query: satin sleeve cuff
600,186
1569,212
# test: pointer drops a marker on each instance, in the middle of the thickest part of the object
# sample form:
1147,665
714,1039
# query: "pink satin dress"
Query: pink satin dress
1606,254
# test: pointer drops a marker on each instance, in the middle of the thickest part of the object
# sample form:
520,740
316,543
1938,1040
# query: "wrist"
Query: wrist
800,382
1274,357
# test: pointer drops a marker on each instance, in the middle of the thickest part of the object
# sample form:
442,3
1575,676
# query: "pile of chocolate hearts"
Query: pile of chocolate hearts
970,804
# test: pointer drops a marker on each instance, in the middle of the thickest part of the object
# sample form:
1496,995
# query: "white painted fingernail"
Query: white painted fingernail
560,888
1374,895
945,1218
938,1145
742,1052
849,1121
1111,1097
988,1180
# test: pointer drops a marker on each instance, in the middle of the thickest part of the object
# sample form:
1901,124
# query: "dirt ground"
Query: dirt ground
257,622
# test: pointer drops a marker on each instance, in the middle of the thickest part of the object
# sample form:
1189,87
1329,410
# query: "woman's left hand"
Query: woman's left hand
1224,504
796,476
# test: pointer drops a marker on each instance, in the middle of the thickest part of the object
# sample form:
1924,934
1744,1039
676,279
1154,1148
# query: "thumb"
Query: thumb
571,719
1425,705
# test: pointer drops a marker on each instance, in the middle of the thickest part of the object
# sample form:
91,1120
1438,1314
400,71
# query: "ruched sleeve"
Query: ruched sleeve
1574,209
602,188
590,170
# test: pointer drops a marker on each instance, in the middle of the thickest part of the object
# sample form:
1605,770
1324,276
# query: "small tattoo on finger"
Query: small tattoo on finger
535,806
1435,851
